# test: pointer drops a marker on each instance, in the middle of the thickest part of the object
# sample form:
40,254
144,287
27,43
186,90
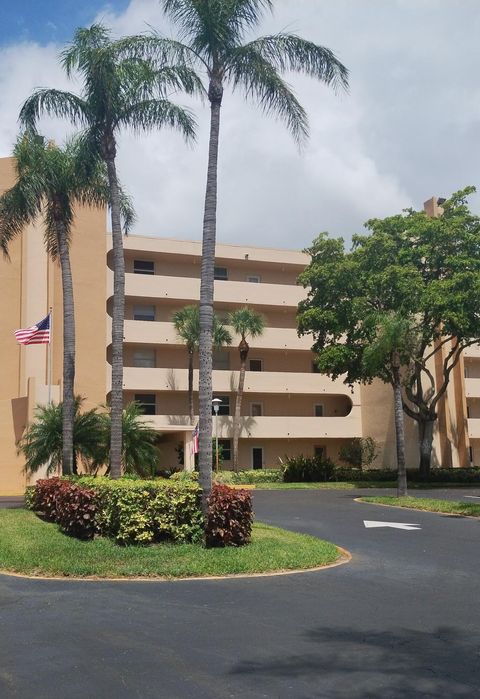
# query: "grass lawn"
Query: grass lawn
351,485
29,545
427,504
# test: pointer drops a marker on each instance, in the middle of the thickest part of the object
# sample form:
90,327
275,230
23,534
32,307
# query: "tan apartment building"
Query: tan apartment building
288,407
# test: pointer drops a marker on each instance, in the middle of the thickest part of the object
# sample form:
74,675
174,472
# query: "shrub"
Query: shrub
267,475
75,510
230,517
359,452
44,499
355,474
184,476
303,469
226,478
447,475
29,497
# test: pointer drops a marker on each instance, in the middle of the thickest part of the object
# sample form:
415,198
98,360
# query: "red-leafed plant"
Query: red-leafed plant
44,499
229,518
76,509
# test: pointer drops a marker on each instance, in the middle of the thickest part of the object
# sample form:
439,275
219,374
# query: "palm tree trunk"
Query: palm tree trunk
190,386
118,314
238,403
399,431
206,306
68,408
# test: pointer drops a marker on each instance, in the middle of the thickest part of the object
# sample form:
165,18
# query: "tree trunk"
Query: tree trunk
425,428
118,314
68,400
238,402
206,304
399,436
190,386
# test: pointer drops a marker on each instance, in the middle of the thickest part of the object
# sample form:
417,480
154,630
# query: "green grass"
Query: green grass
34,547
428,505
340,485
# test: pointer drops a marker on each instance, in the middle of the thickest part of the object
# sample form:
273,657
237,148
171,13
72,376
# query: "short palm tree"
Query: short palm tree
50,182
140,454
120,90
42,442
212,37
187,325
393,336
248,324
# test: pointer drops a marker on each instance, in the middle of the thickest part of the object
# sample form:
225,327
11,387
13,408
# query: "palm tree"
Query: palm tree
42,442
187,325
392,344
51,181
248,324
140,454
213,34
120,90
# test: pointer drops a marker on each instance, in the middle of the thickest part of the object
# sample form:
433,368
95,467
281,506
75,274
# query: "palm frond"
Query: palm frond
288,52
246,14
249,71
158,113
55,103
246,322
85,41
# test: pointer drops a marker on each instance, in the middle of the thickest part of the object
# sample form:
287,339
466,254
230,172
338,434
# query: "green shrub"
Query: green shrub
359,452
184,477
230,517
29,497
267,475
304,469
226,478
355,474
447,475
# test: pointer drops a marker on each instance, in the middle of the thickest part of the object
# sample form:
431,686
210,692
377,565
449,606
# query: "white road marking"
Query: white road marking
394,525
477,497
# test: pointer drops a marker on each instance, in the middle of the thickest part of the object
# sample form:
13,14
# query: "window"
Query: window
256,409
224,406
147,402
144,358
254,278
256,365
220,359
319,452
315,368
225,449
143,267
318,410
257,457
144,313
470,451
220,273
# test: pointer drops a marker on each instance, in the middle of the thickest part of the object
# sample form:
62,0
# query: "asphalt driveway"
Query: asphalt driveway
400,621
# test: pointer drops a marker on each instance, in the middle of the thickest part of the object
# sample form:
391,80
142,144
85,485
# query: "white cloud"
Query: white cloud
407,130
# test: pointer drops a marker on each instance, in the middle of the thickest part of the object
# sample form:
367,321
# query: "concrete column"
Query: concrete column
188,456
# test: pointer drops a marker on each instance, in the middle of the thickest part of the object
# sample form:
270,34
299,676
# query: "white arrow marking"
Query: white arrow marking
395,525
477,497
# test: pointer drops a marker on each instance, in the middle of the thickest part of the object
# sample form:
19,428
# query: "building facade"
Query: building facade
288,407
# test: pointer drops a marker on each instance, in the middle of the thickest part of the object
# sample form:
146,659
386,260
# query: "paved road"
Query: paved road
401,621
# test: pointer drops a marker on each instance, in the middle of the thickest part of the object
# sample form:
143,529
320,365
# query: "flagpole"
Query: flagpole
49,356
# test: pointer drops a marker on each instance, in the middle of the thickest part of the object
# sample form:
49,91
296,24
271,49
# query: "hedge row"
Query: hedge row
143,512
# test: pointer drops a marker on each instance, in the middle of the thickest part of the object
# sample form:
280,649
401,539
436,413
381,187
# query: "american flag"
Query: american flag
195,440
38,334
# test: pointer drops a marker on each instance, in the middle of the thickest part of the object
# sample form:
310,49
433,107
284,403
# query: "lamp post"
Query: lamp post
216,406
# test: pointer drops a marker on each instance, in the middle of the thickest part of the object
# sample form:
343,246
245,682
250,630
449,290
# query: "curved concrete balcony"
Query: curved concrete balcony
472,351
472,388
163,333
187,290
273,427
473,427
148,380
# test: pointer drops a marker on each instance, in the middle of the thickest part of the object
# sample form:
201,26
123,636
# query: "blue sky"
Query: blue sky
46,21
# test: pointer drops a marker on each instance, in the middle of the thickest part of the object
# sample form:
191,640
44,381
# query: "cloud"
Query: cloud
407,130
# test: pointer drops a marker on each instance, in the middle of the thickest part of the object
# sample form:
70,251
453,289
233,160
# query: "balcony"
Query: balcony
273,427
187,290
472,388
472,351
473,428
148,380
162,333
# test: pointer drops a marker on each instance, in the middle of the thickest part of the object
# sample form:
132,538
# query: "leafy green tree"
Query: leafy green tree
187,324
42,442
140,453
359,452
120,90
423,270
50,183
213,33
248,324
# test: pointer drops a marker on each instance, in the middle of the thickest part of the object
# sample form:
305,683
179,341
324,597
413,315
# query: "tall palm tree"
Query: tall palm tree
187,325
213,34
51,182
248,324
120,90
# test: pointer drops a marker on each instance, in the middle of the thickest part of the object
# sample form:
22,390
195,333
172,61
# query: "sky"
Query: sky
407,130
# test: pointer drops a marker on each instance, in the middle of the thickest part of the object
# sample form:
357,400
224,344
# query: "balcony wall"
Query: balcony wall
188,291
472,388
150,380
474,428
473,351
275,427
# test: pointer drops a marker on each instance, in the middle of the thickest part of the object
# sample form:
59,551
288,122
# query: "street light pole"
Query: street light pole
216,405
